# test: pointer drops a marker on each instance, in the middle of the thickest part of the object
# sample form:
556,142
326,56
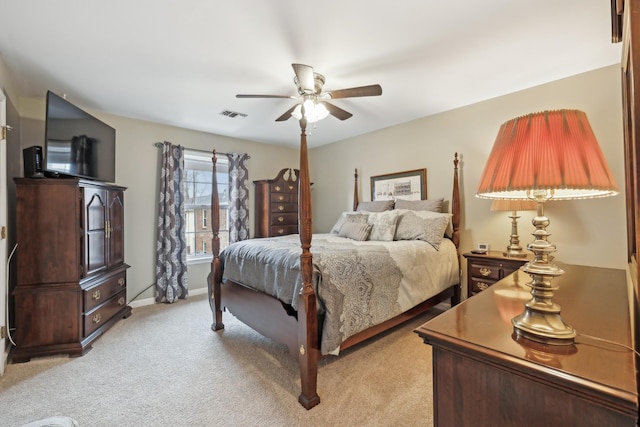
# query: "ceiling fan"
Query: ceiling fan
309,84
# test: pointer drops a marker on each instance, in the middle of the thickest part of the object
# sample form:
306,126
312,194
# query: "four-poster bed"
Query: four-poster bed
298,323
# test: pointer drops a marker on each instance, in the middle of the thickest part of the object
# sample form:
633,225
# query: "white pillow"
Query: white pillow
375,206
357,217
355,231
422,225
434,205
384,225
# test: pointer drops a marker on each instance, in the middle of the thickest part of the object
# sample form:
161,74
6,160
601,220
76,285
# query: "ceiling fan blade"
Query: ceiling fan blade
371,90
287,114
337,111
304,78
265,96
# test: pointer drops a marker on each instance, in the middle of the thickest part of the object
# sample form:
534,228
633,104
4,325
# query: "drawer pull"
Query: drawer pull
121,301
291,187
280,219
281,198
121,281
96,295
96,318
482,286
277,188
485,271
281,231
280,208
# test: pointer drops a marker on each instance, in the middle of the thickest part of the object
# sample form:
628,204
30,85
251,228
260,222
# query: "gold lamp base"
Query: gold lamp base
514,253
514,250
541,320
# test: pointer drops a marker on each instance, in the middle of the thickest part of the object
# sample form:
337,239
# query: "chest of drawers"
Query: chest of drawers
276,204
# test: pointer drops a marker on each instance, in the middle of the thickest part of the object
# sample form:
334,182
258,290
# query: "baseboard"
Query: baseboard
5,358
149,301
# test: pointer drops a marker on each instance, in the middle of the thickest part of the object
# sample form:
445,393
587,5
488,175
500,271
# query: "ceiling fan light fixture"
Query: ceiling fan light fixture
314,112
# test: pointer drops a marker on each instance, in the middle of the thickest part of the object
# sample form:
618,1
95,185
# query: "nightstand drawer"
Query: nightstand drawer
478,285
484,271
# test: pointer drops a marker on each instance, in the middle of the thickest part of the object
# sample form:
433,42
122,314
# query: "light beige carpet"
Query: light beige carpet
164,366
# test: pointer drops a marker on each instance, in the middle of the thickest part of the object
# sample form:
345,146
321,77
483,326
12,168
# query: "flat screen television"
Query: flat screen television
76,143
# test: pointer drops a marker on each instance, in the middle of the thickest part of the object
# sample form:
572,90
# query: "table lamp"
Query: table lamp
542,156
514,250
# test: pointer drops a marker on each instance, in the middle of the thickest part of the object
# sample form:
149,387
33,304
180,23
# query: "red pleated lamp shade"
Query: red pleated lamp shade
554,151
513,205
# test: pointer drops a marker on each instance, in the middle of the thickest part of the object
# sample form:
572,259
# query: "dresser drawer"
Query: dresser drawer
484,271
289,187
284,230
102,291
284,219
277,208
101,314
284,198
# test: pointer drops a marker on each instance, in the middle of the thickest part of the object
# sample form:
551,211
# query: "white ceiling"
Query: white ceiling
182,62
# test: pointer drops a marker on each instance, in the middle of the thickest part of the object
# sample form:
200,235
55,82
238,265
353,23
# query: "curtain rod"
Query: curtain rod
160,145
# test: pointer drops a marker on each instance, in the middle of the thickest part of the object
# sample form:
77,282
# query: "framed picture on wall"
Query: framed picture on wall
409,185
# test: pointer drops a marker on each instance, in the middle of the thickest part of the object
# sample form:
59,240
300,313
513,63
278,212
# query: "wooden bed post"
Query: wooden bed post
455,219
355,190
216,269
308,349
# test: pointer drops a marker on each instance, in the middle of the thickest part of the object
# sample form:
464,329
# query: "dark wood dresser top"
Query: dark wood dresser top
593,300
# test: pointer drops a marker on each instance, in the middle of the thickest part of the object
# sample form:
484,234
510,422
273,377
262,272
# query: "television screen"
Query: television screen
76,143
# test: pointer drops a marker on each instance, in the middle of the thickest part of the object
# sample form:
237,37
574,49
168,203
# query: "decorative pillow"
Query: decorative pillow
434,205
360,218
422,225
376,206
355,231
384,225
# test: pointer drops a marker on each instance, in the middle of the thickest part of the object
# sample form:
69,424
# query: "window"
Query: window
198,181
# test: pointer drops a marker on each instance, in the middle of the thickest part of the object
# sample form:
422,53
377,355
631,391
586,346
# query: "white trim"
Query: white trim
150,301
4,268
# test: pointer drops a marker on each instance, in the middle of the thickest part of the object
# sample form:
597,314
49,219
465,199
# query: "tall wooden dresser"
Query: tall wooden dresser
71,277
276,204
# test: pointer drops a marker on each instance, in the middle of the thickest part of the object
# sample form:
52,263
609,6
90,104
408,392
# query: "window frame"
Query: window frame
201,161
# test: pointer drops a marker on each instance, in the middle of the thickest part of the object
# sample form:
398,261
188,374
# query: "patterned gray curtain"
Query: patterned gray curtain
171,248
238,197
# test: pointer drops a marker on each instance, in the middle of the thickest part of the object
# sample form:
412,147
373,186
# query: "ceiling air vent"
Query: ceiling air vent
233,114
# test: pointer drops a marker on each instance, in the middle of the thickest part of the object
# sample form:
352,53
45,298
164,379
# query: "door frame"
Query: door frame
4,286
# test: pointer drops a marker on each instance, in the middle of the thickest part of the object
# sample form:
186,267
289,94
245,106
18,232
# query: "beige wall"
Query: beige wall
587,232
137,168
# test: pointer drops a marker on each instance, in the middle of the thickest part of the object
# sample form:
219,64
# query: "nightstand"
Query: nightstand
483,270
